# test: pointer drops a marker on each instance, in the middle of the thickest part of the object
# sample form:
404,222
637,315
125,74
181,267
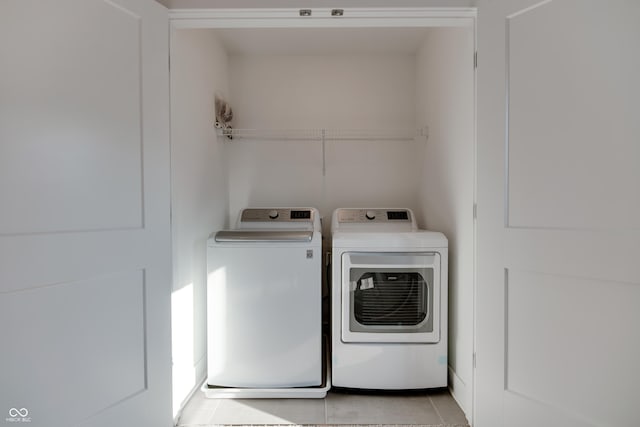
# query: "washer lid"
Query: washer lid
264,236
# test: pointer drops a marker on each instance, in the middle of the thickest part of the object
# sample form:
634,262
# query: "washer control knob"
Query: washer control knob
273,214
370,215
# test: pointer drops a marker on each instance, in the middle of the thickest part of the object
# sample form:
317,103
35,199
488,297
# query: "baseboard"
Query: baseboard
200,374
461,392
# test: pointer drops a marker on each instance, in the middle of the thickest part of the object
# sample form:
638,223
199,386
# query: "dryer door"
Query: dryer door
391,297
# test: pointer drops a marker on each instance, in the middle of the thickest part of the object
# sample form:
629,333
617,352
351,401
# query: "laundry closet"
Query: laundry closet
113,176
329,116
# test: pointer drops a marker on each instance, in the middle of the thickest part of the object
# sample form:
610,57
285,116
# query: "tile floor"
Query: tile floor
432,408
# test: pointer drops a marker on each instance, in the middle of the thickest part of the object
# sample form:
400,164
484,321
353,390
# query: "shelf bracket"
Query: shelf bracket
324,168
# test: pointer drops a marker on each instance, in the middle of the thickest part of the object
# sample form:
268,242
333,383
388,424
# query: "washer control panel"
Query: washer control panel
277,214
374,215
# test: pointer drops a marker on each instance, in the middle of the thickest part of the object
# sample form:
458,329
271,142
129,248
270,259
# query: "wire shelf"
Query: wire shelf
325,134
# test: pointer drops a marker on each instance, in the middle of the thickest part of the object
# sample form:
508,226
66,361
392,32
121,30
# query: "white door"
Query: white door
84,213
558,290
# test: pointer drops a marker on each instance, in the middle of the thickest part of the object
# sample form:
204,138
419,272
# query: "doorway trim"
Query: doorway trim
322,18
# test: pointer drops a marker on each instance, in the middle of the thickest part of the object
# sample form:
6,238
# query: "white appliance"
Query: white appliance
264,302
389,301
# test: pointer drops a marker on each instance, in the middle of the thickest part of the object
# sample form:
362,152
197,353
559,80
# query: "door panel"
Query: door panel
76,105
571,125
559,328
558,229
84,227
97,339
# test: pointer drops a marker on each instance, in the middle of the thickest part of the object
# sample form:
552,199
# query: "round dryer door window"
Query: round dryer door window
388,301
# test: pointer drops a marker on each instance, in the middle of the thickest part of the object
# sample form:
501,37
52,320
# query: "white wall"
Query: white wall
445,85
199,195
373,91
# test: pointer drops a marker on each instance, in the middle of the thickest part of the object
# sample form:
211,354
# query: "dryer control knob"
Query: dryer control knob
370,215
273,214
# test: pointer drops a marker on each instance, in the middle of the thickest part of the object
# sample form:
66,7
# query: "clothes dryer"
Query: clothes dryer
389,301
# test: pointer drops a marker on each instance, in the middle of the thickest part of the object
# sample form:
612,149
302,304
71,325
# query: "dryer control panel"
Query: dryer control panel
373,220
374,215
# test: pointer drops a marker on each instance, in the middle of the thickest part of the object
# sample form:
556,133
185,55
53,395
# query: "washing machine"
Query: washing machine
264,299
388,301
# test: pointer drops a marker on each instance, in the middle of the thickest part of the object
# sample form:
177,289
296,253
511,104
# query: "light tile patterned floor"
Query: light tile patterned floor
432,408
